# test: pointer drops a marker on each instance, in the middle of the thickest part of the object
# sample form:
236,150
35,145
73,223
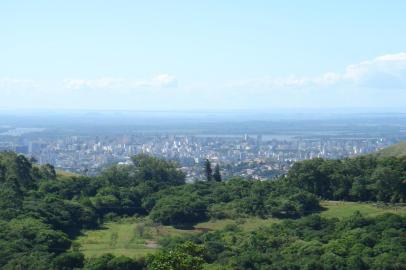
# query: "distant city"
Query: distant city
256,149
252,156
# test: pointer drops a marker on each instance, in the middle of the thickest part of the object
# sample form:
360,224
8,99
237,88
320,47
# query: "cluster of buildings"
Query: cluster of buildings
252,156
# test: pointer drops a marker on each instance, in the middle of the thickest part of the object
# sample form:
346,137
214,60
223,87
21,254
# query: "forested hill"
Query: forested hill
41,213
365,178
397,150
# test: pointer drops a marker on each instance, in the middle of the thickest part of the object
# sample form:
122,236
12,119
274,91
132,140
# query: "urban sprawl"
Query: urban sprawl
252,156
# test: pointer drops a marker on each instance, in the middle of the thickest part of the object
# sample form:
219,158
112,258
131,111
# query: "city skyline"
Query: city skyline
257,149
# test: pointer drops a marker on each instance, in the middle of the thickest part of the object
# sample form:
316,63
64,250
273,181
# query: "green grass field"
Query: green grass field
132,237
340,209
135,237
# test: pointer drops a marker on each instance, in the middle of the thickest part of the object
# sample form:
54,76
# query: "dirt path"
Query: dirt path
151,244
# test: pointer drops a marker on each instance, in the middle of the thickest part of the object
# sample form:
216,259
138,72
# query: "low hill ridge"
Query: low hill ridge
396,150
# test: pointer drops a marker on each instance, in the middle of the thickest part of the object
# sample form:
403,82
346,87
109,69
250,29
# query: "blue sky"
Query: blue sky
214,55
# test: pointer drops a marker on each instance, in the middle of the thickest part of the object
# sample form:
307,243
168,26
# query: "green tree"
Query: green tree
186,256
217,174
69,260
159,171
179,209
208,170
47,171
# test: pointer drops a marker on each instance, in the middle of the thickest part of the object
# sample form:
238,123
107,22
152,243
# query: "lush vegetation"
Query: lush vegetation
133,237
397,150
189,204
137,237
366,178
343,209
312,242
42,213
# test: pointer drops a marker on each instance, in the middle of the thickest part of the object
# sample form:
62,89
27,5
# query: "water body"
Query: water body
21,131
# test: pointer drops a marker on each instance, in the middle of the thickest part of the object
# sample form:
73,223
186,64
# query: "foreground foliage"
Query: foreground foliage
312,242
42,212
366,178
185,256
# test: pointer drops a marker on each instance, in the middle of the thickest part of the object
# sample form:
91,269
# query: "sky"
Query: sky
202,55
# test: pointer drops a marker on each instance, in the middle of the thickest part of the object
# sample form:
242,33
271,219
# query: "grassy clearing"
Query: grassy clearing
61,173
135,237
132,237
345,209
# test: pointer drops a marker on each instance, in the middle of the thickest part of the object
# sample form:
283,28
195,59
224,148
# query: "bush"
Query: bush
69,260
187,256
181,209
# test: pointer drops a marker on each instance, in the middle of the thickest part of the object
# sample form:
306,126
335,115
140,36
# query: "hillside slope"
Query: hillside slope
397,150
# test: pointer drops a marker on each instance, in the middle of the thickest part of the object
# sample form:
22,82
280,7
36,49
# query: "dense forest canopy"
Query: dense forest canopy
41,213
366,178
308,243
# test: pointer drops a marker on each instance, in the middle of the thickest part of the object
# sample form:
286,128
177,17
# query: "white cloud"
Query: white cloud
12,83
165,80
159,81
385,72
289,82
